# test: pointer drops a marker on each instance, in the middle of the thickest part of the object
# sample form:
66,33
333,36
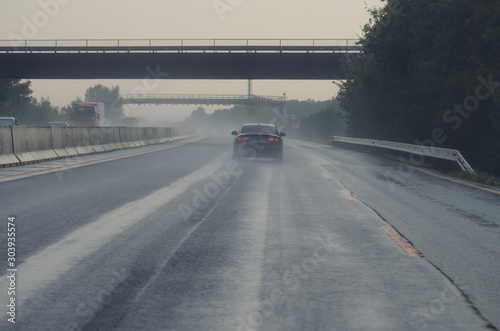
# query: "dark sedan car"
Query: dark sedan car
255,139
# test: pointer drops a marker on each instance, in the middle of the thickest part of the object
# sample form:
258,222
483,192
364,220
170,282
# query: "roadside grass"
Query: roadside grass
481,177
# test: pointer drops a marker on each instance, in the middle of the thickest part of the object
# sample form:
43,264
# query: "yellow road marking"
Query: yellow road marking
327,175
402,242
125,209
458,181
349,195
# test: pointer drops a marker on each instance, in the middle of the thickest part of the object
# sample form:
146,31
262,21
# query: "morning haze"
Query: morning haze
196,19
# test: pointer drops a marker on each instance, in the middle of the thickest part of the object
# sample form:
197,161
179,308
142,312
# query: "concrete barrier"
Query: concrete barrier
150,136
70,136
7,156
97,139
143,133
137,137
32,143
165,134
109,139
160,135
83,140
126,138
143,140
105,138
116,138
154,135
25,144
59,140
134,137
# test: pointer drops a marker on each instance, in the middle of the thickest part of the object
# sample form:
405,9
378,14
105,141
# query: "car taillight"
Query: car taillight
273,139
242,138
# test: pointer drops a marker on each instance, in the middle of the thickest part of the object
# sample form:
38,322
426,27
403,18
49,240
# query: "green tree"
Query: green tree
14,97
305,108
321,125
236,116
16,100
421,59
43,112
198,117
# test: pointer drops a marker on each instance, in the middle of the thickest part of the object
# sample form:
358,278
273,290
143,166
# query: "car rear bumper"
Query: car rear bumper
254,149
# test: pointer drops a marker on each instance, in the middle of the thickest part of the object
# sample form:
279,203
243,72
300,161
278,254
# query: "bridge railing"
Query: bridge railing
179,45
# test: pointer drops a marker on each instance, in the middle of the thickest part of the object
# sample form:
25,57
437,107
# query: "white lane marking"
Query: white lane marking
43,268
256,217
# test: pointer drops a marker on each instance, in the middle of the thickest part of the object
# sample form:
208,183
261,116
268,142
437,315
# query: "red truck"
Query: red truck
88,114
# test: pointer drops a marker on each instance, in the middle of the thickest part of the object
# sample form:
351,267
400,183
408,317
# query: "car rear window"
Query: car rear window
258,129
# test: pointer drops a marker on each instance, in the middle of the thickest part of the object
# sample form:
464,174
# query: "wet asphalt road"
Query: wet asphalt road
186,239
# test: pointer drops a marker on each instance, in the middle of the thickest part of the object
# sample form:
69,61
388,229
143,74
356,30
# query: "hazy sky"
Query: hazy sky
165,19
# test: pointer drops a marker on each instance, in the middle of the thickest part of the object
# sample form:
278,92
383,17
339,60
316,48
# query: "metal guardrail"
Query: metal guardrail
435,152
178,45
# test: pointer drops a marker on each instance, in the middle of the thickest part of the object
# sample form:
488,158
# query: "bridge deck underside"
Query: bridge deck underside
172,65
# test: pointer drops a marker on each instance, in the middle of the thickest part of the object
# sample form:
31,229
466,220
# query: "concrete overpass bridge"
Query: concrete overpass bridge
202,99
175,58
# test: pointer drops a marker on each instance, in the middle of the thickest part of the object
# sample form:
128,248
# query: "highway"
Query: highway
181,237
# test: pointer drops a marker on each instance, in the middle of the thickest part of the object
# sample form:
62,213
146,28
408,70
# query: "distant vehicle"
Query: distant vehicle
88,114
255,139
8,121
129,122
58,124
